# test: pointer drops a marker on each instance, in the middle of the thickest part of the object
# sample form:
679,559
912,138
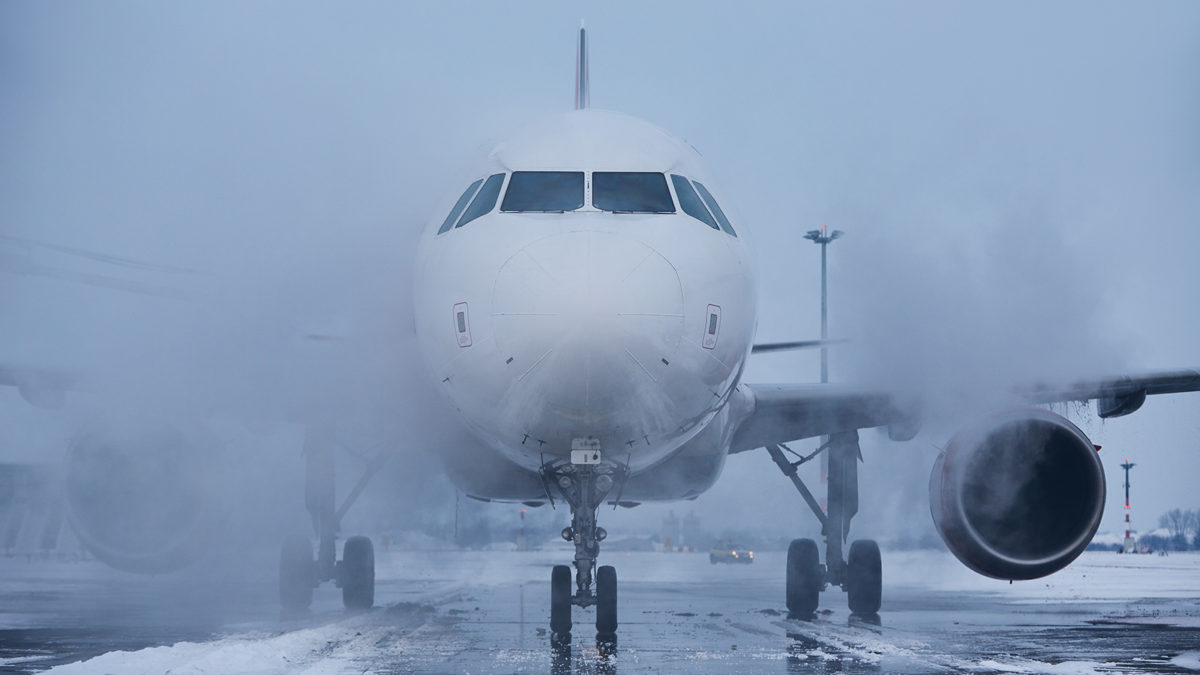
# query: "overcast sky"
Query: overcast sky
1018,183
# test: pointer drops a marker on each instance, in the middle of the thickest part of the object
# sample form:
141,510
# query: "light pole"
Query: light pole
1129,546
822,238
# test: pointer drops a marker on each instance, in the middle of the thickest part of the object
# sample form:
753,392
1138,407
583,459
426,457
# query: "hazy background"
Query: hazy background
1018,184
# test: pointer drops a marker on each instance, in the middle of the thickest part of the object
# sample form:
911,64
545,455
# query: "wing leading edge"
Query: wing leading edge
788,412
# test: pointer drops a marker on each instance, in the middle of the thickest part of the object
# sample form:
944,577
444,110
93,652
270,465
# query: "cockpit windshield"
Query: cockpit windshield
690,201
459,206
544,191
631,192
714,207
485,201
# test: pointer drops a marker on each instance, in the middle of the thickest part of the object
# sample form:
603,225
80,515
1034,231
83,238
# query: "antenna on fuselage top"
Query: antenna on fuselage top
582,98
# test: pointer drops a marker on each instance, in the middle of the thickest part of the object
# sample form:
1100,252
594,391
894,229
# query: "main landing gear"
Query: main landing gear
299,572
583,484
860,573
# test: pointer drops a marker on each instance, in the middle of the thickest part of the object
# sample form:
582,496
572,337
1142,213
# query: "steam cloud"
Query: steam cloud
987,167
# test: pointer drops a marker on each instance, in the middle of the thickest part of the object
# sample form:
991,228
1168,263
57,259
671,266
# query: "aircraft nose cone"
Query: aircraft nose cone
589,319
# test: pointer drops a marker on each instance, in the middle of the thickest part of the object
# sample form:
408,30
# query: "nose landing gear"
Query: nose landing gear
584,486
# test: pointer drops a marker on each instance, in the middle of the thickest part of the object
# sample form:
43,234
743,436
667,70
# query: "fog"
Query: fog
1017,185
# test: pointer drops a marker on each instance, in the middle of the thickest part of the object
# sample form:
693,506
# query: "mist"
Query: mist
1017,186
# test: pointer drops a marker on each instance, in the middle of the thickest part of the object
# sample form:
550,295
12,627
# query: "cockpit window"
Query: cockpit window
690,202
544,191
459,206
485,200
716,209
631,192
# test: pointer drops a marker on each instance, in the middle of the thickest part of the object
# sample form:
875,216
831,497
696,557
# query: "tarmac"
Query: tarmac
458,611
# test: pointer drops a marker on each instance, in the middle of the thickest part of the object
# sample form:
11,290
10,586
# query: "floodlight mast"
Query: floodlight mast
820,237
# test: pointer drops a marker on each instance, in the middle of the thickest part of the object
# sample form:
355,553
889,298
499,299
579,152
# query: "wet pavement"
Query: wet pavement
487,612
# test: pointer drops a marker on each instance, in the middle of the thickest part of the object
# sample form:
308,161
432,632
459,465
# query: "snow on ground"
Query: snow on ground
429,617
1097,576
1188,660
1064,668
331,648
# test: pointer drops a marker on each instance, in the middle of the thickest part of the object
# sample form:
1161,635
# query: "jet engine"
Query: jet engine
140,501
1018,496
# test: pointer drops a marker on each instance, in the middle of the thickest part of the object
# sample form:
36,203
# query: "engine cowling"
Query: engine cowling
1018,496
140,502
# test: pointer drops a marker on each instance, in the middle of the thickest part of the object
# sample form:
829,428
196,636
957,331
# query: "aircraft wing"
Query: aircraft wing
789,412
41,387
767,347
1120,395
781,413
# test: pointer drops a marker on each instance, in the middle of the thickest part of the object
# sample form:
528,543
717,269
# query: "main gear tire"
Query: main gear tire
804,578
297,574
357,573
864,577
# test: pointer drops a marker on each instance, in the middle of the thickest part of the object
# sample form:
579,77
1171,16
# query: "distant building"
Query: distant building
670,529
31,511
692,534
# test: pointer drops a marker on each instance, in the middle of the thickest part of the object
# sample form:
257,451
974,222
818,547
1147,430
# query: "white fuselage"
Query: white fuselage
626,328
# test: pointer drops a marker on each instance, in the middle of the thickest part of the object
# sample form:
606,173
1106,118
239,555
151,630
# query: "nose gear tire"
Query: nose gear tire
560,602
606,599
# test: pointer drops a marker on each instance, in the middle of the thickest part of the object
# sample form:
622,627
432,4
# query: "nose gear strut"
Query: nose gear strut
583,485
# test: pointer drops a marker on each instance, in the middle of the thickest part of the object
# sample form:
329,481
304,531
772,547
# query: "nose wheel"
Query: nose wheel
560,602
583,486
606,601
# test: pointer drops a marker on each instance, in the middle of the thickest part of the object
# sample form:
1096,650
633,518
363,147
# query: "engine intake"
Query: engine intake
140,503
1018,496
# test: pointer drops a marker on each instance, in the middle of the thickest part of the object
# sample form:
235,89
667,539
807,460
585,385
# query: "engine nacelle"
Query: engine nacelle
140,502
1018,496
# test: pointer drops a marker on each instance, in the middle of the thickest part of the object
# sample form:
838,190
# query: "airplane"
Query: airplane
588,309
